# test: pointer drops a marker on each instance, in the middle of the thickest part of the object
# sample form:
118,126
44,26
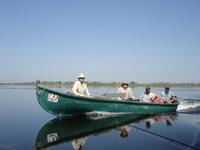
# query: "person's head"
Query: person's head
167,89
148,124
148,89
81,77
124,84
124,135
168,123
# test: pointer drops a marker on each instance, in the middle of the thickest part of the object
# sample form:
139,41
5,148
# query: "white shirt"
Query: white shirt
125,128
128,92
79,142
147,97
80,89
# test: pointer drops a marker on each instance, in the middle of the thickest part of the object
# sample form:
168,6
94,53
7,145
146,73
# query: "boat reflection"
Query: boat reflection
77,129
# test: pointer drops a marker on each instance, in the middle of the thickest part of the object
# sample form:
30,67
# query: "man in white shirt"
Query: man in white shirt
80,88
148,96
125,89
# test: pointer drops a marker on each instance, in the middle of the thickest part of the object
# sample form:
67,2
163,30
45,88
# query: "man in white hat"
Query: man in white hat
125,89
124,130
80,88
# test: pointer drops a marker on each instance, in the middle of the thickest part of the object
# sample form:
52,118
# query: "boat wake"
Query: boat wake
189,106
103,114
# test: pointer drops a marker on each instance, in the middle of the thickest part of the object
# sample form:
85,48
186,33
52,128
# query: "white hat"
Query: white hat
81,75
124,82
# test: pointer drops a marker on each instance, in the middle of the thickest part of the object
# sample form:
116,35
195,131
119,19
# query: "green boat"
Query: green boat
66,104
67,129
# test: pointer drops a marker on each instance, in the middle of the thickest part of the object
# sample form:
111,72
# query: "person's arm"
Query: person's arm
172,99
162,95
154,96
75,88
119,91
87,91
131,95
173,96
142,96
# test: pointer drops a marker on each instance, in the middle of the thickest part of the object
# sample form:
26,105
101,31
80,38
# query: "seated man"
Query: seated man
168,95
125,89
80,88
148,96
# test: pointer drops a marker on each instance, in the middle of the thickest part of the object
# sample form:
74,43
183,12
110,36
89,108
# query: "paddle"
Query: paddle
107,90
114,94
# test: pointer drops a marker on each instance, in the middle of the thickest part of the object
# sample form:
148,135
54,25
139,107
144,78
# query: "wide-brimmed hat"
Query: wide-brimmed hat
81,75
124,82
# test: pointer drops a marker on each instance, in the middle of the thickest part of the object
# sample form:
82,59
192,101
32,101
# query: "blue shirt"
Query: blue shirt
167,97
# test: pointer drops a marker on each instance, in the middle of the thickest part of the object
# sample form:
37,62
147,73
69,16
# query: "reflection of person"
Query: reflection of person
168,122
173,117
148,124
168,95
124,130
162,118
125,89
80,88
148,96
78,143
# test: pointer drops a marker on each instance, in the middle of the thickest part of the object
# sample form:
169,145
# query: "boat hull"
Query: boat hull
63,104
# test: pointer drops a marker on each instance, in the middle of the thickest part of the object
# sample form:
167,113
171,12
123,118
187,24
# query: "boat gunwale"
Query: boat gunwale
83,98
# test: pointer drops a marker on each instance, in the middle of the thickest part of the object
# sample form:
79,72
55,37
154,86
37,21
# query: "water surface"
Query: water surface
25,125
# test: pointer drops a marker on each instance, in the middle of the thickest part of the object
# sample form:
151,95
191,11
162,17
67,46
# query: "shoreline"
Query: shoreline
109,84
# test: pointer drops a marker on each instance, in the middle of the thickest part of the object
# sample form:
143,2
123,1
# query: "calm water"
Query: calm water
25,125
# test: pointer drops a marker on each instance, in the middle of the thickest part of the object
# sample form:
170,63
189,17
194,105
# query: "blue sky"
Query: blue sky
108,40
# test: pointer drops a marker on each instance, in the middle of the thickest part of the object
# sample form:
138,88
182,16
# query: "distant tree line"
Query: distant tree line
114,84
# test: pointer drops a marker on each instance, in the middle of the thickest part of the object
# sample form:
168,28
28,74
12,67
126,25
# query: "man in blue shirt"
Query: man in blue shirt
168,95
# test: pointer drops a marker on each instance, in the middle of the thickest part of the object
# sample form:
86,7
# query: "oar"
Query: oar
169,139
114,95
107,90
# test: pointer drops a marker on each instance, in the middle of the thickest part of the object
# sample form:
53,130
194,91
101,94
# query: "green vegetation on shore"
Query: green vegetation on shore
114,84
